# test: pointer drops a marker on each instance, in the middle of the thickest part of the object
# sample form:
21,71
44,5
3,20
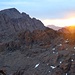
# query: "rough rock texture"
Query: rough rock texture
68,29
41,37
38,60
12,21
33,51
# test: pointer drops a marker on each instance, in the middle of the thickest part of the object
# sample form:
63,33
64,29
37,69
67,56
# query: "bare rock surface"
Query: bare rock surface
27,47
12,21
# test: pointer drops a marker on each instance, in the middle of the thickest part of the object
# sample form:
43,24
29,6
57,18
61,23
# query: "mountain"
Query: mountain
19,21
68,33
12,21
27,47
64,30
68,29
54,27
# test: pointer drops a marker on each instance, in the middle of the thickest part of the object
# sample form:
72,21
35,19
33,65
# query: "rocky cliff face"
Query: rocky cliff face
20,21
12,21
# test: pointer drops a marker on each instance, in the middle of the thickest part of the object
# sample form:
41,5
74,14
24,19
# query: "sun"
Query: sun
71,21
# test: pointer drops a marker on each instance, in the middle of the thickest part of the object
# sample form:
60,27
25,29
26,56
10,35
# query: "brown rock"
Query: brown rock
66,65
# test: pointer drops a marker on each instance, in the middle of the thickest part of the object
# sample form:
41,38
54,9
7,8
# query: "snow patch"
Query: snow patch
66,41
66,73
74,47
60,45
72,60
60,62
37,65
53,52
53,67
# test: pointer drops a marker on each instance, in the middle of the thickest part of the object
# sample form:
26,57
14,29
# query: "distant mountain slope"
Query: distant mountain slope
68,29
54,27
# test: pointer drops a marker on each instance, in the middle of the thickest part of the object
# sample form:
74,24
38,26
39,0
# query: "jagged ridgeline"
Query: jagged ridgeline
17,29
12,21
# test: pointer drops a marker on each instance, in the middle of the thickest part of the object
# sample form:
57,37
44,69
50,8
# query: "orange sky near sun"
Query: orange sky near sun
68,20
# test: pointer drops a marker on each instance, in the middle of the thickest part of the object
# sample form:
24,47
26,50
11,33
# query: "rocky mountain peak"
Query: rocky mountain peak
12,21
25,15
12,13
24,40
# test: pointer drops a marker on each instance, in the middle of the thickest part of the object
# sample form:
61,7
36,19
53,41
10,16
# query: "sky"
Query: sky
50,12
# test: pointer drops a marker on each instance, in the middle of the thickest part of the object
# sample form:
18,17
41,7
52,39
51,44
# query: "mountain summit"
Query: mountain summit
12,13
12,21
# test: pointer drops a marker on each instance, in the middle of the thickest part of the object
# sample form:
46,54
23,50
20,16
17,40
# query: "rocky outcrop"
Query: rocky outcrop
40,37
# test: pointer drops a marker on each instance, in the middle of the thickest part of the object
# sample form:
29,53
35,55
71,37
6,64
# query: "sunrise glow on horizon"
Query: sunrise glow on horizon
68,20
60,22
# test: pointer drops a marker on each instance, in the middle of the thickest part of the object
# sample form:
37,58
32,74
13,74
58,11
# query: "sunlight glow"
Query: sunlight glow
71,29
60,22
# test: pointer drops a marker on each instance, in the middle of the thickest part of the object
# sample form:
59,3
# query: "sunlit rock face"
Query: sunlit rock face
69,29
68,34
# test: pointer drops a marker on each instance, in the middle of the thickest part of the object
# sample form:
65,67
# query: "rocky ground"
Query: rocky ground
57,59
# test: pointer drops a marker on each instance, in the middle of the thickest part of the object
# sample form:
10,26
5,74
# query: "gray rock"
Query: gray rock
12,21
